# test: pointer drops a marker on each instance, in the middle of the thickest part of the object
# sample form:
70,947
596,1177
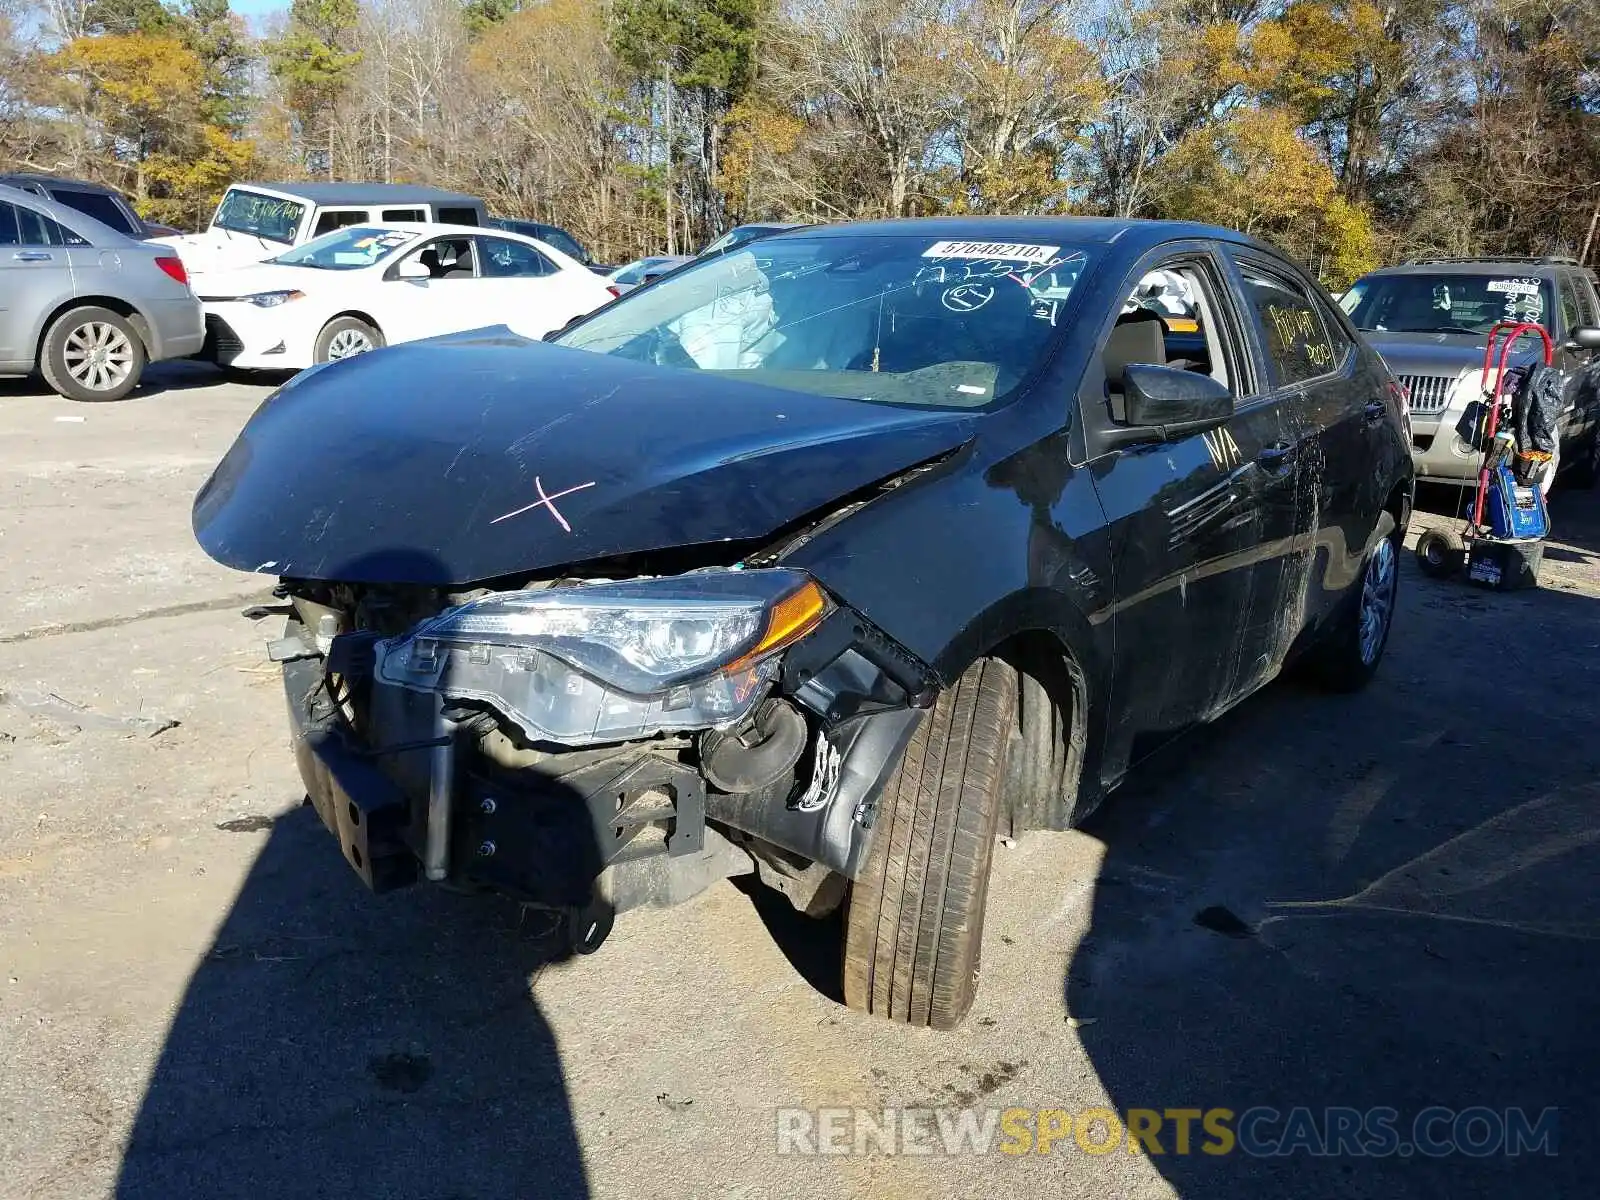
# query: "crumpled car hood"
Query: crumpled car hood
482,455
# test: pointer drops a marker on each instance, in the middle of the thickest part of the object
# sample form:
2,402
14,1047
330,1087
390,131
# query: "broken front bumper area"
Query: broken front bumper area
409,792
633,823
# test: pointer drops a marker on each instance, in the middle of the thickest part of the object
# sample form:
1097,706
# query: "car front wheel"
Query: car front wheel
345,337
914,926
91,354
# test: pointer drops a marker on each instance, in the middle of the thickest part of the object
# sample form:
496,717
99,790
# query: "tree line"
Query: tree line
1346,131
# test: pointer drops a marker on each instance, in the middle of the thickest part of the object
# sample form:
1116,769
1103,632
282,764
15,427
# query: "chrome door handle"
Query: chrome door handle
33,256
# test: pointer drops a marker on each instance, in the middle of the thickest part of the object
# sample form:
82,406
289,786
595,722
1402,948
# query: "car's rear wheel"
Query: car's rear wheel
1349,654
914,925
92,354
345,337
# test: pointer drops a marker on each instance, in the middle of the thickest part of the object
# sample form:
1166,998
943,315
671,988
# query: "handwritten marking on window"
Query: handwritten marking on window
1299,332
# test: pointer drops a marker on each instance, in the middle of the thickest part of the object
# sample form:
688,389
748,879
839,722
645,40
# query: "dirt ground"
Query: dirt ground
197,998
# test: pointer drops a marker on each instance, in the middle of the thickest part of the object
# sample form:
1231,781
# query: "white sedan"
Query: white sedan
366,286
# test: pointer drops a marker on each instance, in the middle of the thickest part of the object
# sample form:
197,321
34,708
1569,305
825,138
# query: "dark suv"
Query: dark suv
1429,319
104,204
553,235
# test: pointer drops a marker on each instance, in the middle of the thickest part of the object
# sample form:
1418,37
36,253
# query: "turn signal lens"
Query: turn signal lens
789,620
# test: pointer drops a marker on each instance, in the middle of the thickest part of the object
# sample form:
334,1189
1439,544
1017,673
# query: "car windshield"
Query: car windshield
564,242
1446,302
347,249
269,217
895,318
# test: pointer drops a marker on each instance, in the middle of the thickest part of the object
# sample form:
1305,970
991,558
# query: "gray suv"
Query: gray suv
1430,319
84,305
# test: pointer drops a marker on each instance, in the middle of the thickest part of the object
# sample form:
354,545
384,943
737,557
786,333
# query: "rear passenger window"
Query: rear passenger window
1570,317
458,216
101,207
1586,313
329,221
1298,341
1337,337
404,214
36,229
501,258
8,224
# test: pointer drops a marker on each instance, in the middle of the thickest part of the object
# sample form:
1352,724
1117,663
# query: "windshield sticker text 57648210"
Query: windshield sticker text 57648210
1012,251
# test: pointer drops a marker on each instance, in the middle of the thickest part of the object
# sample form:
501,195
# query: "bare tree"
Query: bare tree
877,58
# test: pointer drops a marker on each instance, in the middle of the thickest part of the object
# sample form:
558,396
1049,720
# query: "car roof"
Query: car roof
1079,230
527,221
1478,266
435,228
438,229
362,193
57,181
98,233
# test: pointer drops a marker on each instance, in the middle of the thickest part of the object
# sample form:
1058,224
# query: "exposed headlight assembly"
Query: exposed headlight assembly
607,662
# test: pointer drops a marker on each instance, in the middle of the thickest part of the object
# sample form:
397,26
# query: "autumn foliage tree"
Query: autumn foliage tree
1255,173
1347,131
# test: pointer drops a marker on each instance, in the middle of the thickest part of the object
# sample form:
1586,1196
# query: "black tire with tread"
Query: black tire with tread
914,925
53,362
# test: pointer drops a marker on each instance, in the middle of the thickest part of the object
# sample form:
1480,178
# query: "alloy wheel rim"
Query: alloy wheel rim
98,356
348,342
1377,599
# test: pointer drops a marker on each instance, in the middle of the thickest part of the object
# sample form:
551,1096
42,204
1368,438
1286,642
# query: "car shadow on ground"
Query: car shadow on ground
331,1043
1376,901
160,378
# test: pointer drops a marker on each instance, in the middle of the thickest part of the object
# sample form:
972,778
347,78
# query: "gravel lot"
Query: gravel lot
198,998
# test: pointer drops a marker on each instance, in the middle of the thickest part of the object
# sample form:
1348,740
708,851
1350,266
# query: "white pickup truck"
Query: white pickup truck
259,220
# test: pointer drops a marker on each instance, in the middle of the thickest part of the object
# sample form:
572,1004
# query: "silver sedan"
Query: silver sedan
86,306
642,271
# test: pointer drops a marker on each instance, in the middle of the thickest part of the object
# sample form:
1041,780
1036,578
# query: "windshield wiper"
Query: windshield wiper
1444,329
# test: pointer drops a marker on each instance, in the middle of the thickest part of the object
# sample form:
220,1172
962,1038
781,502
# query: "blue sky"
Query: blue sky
259,8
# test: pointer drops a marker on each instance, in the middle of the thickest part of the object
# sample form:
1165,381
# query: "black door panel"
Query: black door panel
1327,387
1201,534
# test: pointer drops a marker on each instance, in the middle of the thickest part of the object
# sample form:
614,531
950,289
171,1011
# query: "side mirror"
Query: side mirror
412,269
1164,404
1584,337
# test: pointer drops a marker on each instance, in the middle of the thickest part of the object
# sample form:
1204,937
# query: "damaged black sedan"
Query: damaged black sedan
834,558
